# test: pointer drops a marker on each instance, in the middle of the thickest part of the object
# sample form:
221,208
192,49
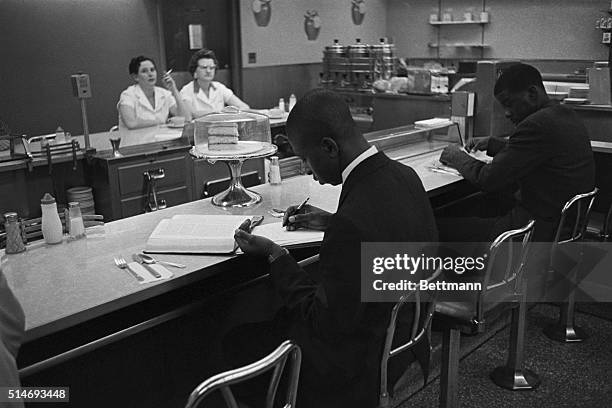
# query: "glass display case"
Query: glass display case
233,136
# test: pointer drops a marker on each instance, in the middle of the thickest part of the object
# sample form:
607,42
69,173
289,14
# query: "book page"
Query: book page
212,234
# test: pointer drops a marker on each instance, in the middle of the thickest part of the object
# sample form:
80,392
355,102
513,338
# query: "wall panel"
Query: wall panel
43,42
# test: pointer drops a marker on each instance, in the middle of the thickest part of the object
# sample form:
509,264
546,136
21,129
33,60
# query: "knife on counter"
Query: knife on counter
152,271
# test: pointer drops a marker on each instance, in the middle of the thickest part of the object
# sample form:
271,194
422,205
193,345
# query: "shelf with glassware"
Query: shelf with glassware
468,19
458,45
462,22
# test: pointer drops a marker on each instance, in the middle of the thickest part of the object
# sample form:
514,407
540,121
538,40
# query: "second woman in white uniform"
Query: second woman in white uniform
203,95
144,104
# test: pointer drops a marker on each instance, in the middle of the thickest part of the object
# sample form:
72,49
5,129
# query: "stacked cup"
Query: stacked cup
84,196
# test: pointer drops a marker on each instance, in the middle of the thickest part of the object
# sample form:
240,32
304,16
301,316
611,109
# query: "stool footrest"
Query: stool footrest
565,334
514,380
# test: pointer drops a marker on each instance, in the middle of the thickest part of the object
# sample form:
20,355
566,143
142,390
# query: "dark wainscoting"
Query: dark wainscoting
263,86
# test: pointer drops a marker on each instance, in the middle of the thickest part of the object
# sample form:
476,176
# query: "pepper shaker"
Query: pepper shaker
14,237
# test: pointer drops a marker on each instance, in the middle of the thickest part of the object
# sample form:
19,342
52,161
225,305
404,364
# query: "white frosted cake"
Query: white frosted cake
223,136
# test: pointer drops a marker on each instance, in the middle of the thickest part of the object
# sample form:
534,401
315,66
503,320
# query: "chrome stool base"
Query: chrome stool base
510,379
565,334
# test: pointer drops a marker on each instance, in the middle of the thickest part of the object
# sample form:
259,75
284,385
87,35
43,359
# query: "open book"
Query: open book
214,234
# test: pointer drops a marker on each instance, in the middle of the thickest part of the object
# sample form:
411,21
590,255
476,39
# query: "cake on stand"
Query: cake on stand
253,132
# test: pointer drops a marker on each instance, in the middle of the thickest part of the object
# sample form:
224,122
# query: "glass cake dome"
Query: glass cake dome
226,130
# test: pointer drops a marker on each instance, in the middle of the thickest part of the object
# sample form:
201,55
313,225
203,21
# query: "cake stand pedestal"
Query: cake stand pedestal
236,194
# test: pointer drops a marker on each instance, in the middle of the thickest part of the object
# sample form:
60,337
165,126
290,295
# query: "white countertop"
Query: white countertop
62,285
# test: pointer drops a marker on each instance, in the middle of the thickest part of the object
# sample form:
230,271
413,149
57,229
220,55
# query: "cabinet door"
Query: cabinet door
136,204
132,180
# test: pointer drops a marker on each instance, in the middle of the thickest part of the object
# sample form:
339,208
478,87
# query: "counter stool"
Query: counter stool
568,239
420,331
277,360
600,230
473,312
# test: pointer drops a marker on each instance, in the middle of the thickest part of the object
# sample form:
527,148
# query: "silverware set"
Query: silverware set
145,260
122,264
148,259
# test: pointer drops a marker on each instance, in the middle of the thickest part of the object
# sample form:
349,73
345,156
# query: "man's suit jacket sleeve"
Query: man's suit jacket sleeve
496,145
526,149
332,305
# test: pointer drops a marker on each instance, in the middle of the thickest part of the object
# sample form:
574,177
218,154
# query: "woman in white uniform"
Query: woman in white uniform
203,95
144,104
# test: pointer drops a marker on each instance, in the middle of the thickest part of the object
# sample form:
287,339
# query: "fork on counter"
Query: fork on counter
122,264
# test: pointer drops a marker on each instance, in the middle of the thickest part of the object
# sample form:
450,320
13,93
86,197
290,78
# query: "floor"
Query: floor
573,375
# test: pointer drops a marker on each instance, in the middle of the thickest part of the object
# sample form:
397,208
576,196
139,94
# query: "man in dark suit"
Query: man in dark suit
381,201
548,157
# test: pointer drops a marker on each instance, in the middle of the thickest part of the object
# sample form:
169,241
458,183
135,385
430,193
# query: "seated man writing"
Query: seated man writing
381,201
548,156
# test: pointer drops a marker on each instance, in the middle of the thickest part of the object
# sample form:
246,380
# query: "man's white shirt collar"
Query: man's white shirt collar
347,170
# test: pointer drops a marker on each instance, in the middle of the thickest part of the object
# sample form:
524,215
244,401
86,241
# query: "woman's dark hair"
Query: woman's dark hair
135,63
203,53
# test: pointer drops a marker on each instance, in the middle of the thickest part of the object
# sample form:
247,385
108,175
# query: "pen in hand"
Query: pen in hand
297,210
250,223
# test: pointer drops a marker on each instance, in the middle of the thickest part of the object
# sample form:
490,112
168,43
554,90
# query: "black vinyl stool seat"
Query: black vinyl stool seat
277,361
600,229
420,331
568,239
502,288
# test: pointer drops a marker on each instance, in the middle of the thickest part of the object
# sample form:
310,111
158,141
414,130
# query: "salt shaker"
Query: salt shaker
274,176
74,221
281,104
14,236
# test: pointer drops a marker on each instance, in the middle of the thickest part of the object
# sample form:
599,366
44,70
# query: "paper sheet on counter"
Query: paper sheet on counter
277,233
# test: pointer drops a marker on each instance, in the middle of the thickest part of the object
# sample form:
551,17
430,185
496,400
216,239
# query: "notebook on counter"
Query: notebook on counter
214,234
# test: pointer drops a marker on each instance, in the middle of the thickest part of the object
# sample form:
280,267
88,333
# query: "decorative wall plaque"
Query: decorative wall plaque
358,10
262,11
312,24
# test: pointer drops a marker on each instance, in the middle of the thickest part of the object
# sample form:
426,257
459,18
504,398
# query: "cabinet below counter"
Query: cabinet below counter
387,110
597,119
121,185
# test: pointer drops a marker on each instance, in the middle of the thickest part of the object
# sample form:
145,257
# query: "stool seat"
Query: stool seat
502,288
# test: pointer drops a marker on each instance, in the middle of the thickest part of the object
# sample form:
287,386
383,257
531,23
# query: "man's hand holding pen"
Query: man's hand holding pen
308,216
476,144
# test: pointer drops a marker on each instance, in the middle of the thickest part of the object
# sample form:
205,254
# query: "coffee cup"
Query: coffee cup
177,121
